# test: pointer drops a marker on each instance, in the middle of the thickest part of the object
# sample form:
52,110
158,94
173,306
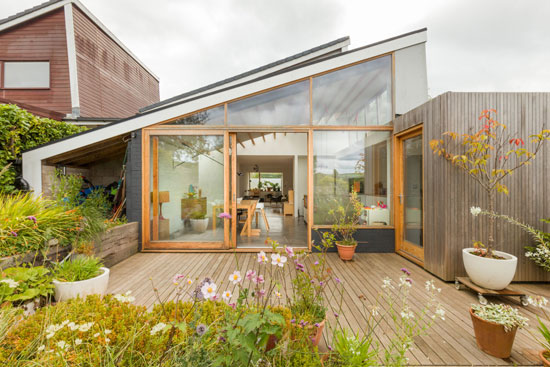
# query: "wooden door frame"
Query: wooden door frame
412,252
148,243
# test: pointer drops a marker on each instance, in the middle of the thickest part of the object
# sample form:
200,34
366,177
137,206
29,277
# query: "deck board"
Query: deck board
448,343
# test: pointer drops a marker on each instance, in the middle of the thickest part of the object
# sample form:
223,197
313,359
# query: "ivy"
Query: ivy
21,130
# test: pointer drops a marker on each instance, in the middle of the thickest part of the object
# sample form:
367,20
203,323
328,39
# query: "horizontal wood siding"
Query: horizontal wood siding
449,193
40,39
111,82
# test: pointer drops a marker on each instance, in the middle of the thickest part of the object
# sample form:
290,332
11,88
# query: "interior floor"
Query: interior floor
287,230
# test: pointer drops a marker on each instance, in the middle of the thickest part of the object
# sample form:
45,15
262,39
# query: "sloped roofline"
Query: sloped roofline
338,45
52,5
32,158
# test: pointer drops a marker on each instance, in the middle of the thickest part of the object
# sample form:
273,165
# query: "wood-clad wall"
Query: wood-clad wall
111,83
40,39
449,192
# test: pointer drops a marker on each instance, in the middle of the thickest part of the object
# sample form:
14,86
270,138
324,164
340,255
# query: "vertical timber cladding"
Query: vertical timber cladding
449,192
133,181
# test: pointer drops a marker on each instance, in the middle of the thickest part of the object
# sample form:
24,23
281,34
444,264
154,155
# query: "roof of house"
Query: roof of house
213,97
336,46
52,5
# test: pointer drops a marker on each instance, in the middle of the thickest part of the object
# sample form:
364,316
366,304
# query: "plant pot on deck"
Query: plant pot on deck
67,290
346,252
495,274
492,338
315,332
543,354
199,225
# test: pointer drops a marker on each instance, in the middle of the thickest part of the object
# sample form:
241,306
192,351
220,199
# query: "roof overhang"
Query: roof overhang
45,8
33,158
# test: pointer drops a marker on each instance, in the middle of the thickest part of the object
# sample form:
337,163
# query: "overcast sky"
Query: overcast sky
473,45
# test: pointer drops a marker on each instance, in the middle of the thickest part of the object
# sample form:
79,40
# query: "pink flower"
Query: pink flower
32,217
289,251
404,270
224,216
259,279
262,257
250,274
261,293
176,279
13,233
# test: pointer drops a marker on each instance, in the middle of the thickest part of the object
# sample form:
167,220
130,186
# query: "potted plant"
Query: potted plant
199,221
544,354
81,276
489,156
495,327
346,218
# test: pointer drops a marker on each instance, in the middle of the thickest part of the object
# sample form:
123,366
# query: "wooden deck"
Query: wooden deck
448,343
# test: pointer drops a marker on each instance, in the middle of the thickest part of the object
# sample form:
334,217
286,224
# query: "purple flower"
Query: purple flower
221,339
404,270
232,305
312,281
335,314
316,262
321,283
292,321
14,234
337,280
32,217
329,347
224,216
317,324
289,251
409,280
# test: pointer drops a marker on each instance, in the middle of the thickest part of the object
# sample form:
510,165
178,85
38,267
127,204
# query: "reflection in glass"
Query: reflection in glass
346,161
282,106
189,188
213,116
412,167
359,95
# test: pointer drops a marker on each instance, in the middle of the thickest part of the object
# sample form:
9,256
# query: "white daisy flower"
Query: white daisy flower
157,328
226,296
277,259
475,210
208,290
77,341
262,258
41,348
107,331
440,312
235,277
62,345
278,294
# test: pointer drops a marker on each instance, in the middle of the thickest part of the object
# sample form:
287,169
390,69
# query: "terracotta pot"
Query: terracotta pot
346,252
492,338
316,333
271,342
545,361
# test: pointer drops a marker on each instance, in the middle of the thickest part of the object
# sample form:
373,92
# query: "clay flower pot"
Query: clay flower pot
315,332
345,252
492,338
542,357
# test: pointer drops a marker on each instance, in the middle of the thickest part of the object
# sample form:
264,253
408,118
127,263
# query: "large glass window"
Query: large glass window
358,95
26,74
347,161
282,106
269,181
187,178
213,116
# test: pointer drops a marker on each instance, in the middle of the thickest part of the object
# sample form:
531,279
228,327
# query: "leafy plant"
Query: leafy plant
78,269
504,315
21,130
21,284
540,253
28,223
489,156
346,219
351,350
198,215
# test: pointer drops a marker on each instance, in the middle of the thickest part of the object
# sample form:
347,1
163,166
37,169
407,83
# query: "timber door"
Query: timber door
408,198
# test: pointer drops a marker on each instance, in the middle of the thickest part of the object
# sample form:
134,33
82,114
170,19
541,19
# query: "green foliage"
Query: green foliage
28,223
504,315
21,130
81,268
351,350
346,219
21,284
198,215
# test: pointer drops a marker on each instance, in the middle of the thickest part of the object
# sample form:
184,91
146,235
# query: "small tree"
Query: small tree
489,156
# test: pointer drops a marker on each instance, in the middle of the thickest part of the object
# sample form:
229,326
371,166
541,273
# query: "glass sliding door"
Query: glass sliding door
186,191
409,198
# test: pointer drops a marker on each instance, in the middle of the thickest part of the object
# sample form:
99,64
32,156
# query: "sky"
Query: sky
473,45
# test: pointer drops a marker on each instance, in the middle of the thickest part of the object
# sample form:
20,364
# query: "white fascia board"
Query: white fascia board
338,46
71,55
32,159
60,4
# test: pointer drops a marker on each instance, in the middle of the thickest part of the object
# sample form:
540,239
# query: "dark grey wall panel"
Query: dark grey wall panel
133,181
369,240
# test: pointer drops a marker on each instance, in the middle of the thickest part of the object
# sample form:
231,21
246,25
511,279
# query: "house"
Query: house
318,124
58,60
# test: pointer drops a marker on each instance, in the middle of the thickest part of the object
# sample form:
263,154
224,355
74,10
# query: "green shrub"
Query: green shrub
81,268
21,130
22,284
27,223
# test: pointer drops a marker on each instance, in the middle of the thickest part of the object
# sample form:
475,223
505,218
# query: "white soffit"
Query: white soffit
147,119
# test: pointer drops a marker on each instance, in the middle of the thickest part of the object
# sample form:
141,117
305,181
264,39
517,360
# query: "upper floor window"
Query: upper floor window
26,74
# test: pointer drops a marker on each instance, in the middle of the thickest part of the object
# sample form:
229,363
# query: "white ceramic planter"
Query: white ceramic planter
83,288
490,273
199,225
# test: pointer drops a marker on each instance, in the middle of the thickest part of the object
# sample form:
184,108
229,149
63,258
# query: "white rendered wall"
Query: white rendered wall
411,80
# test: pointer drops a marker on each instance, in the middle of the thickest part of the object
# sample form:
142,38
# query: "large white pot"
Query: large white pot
199,225
83,288
489,273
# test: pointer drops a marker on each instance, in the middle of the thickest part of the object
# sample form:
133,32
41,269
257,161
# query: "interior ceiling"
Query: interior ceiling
265,159
84,156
